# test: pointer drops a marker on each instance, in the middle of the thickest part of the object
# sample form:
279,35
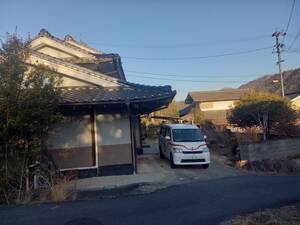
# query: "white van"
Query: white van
183,144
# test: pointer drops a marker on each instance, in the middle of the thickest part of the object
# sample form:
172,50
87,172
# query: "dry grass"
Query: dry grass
56,190
288,215
241,163
61,191
250,135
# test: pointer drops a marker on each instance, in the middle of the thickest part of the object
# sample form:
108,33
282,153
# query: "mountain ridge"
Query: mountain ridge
291,81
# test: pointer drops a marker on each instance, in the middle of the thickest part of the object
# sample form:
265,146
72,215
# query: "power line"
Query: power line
199,57
184,45
290,18
187,80
293,42
295,50
190,76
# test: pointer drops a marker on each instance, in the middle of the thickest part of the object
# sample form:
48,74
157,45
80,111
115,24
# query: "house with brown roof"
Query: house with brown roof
213,105
101,135
295,99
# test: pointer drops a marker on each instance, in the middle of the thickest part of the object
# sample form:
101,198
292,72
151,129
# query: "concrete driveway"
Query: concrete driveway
159,168
157,174
150,163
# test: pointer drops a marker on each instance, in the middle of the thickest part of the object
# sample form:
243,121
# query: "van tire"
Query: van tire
205,166
172,164
161,155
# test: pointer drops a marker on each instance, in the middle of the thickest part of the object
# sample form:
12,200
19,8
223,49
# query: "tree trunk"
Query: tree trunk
6,162
24,166
265,125
21,180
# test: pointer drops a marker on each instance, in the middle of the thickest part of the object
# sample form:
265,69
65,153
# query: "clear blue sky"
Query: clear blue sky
168,29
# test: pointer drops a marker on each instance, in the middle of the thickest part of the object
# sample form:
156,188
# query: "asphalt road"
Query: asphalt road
208,203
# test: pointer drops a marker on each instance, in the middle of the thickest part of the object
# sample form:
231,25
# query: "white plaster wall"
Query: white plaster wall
218,105
42,42
296,103
75,132
83,47
71,72
113,129
55,53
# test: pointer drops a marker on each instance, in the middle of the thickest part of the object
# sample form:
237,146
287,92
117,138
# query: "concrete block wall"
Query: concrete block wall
270,150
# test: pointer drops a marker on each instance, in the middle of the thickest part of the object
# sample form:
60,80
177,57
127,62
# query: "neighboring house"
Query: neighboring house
213,105
295,99
296,102
101,132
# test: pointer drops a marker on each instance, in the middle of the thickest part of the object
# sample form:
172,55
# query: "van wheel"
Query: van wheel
161,155
172,164
205,166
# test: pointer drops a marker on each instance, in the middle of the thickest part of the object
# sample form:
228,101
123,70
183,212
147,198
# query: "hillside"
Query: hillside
291,82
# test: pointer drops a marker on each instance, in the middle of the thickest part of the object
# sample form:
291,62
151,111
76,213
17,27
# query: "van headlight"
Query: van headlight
177,150
205,149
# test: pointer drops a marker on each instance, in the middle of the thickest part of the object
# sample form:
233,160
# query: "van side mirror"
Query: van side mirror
167,137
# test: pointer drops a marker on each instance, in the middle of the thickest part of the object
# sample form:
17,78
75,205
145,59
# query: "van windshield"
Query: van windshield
187,135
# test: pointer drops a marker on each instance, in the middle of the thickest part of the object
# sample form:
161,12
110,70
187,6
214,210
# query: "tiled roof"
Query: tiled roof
45,33
124,92
133,93
68,38
97,57
221,95
292,95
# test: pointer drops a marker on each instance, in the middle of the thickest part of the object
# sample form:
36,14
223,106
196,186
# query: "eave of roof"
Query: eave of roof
102,95
293,95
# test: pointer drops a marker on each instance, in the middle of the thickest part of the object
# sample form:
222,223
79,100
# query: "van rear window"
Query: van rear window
187,135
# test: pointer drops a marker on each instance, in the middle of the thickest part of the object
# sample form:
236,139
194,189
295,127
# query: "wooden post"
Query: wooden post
96,140
132,142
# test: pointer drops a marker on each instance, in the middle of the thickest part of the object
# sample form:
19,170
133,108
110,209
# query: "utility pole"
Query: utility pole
278,47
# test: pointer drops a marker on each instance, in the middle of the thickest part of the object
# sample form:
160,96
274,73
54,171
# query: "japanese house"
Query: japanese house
294,98
213,105
101,132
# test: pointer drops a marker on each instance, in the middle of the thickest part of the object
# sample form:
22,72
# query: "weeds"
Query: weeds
288,215
42,184
249,135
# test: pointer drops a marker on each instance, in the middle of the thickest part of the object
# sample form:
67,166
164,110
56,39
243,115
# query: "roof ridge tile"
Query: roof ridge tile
45,33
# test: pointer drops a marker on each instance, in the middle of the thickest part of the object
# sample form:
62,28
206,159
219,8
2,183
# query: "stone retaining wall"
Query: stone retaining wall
270,150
